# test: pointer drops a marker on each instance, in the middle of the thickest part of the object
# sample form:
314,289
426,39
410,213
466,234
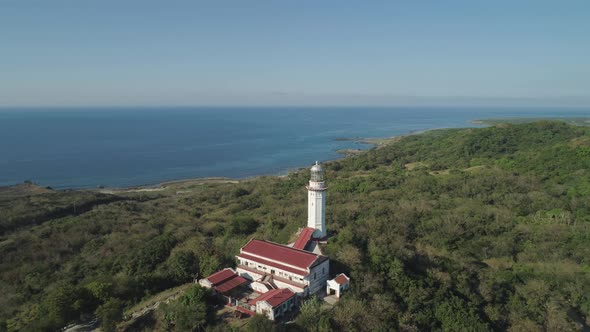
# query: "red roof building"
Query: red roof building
223,281
282,254
337,285
274,303
274,297
301,271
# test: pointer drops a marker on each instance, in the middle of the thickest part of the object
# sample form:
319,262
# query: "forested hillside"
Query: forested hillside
454,230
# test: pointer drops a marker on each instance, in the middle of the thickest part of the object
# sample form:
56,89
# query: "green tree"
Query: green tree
190,312
64,304
109,314
153,252
456,315
310,314
101,290
184,264
260,323
239,192
209,264
243,225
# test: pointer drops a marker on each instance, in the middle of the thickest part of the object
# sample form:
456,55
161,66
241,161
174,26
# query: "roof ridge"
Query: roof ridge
275,294
285,246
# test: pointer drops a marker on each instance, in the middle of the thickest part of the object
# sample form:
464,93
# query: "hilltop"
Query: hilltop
454,229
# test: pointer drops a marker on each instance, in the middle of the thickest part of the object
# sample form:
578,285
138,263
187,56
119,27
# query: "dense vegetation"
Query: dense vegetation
455,230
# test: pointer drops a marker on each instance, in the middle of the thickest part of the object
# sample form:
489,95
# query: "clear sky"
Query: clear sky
128,52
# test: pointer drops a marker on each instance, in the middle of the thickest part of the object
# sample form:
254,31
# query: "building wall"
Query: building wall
266,269
248,274
205,283
280,284
315,280
318,277
264,308
293,288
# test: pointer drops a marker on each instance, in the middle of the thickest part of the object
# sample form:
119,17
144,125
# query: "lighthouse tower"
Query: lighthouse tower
316,201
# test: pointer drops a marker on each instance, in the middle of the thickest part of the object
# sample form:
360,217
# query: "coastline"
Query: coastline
372,143
164,185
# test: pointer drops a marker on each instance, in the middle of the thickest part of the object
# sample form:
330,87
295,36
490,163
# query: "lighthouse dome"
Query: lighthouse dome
317,167
317,173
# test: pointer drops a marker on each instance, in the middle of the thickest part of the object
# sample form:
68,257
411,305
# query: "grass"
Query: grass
24,189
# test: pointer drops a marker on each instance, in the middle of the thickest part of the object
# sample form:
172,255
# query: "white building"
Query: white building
274,304
316,202
335,286
271,266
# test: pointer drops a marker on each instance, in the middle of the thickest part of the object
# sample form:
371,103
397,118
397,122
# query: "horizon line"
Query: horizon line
318,105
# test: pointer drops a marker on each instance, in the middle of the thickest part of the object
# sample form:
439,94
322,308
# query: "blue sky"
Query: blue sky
294,52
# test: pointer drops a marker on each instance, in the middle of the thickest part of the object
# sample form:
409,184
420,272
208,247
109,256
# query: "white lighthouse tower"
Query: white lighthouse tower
316,201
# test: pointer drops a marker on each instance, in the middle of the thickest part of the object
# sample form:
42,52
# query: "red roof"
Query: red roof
274,297
304,238
273,264
280,253
230,284
220,276
341,279
225,280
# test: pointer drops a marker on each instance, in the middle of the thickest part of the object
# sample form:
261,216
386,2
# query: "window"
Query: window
314,275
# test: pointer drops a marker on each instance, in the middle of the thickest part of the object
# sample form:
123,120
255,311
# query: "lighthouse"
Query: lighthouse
316,201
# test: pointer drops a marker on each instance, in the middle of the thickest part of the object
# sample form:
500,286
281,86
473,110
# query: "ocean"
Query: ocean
122,147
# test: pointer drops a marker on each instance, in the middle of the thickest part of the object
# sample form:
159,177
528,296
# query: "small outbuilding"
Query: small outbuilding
340,283
224,281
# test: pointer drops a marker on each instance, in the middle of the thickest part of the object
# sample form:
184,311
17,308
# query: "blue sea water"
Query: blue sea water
119,147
